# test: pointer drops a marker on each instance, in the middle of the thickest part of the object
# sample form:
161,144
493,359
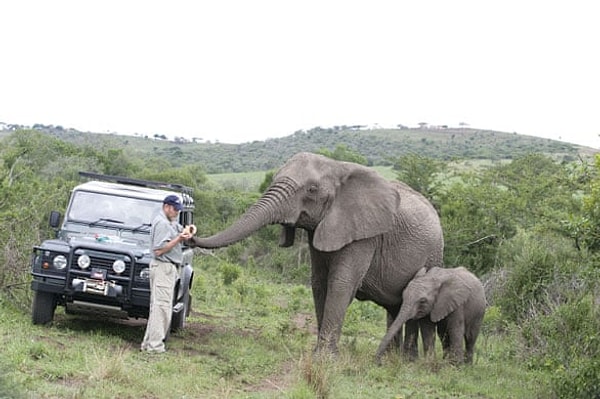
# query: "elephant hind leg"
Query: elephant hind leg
470,339
456,336
469,349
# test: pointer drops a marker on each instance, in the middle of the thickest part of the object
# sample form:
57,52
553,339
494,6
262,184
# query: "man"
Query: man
166,237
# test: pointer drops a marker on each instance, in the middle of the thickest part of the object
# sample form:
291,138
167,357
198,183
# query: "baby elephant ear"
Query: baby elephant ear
454,292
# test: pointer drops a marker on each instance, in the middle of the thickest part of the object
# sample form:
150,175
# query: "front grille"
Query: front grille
103,261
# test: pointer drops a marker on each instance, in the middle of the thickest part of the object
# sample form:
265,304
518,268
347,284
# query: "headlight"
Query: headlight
145,273
84,261
119,266
59,262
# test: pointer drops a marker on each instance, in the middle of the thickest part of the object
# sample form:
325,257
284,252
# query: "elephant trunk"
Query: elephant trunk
267,210
403,316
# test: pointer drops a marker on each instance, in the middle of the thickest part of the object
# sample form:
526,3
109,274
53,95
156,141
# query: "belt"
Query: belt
171,262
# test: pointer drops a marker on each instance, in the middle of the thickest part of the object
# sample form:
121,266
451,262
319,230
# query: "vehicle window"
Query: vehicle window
92,207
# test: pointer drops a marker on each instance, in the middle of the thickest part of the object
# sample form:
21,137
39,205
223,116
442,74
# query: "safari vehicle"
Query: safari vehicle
98,264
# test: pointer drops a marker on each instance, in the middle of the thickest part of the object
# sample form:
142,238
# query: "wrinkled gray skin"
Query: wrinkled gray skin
453,299
367,236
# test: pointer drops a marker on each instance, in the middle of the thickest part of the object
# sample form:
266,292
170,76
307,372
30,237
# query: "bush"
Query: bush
539,270
564,333
550,289
494,321
230,272
580,380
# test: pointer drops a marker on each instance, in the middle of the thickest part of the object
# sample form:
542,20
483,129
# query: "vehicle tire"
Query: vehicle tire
178,319
189,306
44,305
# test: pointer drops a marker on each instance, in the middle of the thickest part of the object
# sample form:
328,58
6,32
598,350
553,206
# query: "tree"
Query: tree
419,172
266,182
27,194
476,218
481,210
344,153
542,190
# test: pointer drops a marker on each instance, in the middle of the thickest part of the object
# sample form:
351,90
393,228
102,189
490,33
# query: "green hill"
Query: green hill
377,145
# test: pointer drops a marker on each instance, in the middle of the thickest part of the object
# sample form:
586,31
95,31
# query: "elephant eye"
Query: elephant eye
313,188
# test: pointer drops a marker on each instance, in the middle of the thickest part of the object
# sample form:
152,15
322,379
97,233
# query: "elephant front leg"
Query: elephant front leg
345,271
329,336
411,337
427,328
442,331
397,341
319,287
336,304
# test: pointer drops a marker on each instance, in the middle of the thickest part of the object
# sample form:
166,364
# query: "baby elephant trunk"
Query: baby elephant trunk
394,329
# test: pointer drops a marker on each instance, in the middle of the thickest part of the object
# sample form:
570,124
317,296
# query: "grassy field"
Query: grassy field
250,181
247,181
249,338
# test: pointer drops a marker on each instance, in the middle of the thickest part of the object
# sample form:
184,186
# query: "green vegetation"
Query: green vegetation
380,147
528,227
247,338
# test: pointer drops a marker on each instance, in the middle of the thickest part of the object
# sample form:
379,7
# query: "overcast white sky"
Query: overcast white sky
239,70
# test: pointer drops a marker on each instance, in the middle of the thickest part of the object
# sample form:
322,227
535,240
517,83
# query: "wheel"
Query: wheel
44,305
189,307
178,319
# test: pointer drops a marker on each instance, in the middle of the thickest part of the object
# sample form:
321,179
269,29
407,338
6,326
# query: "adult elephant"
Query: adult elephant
367,236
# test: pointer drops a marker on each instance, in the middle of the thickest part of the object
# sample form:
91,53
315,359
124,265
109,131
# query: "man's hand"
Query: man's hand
184,235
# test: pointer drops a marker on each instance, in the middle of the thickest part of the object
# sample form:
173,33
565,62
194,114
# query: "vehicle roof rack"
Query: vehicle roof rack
138,182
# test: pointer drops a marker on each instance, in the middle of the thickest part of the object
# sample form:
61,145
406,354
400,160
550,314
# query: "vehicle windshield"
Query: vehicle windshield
98,209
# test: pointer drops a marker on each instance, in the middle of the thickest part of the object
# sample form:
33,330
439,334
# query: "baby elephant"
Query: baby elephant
454,299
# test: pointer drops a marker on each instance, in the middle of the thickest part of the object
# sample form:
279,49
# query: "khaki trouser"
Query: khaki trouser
162,282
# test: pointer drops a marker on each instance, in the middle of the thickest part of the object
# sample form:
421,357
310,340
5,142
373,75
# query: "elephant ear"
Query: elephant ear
454,292
365,205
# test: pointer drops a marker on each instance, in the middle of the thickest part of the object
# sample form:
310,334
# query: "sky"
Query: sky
235,71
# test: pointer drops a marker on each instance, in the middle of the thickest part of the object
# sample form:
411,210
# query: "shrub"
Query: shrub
567,331
581,379
230,272
538,269
550,289
493,321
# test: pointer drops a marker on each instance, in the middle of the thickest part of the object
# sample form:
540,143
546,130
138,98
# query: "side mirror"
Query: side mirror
54,219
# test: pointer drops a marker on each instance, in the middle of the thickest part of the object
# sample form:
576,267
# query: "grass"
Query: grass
246,181
251,181
251,338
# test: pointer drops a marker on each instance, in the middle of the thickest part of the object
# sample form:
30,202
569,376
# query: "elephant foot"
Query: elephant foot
325,353
410,353
454,360
378,360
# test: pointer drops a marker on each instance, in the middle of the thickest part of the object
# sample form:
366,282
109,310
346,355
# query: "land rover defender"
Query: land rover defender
98,263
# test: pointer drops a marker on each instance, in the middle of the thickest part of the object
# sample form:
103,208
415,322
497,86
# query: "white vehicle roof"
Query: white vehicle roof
131,191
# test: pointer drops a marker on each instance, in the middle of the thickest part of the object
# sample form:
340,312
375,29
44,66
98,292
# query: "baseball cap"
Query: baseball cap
173,200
